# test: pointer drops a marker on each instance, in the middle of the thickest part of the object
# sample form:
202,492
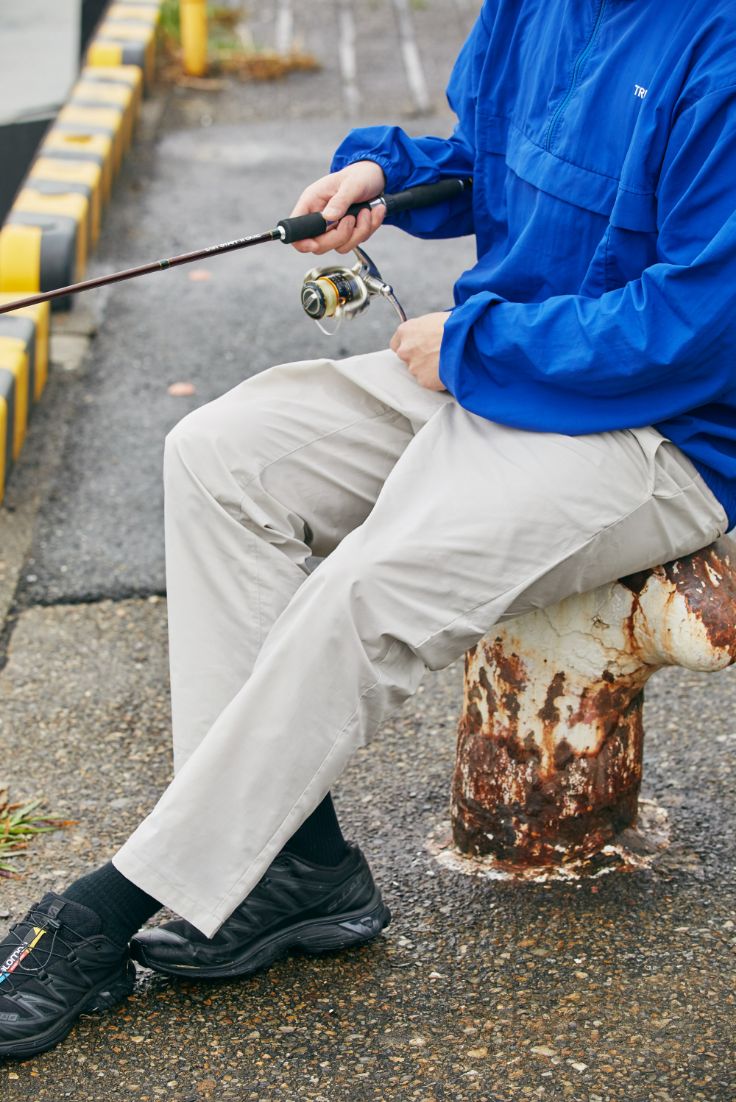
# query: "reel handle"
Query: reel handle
413,198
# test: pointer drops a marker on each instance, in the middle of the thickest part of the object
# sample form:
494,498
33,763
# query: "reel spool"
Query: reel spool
339,292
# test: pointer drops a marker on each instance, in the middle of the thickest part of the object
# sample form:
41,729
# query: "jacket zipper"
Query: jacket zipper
573,80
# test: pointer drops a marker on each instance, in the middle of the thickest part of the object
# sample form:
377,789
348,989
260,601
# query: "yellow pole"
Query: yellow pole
194,36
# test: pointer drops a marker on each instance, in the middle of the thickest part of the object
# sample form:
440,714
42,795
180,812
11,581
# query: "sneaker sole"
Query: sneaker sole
314,937
103,997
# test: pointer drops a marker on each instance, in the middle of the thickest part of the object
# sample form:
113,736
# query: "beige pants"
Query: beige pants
437,524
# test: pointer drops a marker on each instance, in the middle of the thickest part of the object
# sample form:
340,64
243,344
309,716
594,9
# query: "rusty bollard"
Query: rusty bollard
549,756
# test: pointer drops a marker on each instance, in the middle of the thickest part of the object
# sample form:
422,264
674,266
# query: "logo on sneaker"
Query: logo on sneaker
20,953
350,890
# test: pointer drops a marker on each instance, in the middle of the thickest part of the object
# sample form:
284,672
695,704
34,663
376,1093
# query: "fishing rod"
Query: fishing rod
334,291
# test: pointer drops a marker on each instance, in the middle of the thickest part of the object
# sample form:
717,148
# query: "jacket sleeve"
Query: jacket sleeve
663,343
407,161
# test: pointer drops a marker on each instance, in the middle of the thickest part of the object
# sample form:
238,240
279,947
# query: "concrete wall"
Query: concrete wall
39,60
39,55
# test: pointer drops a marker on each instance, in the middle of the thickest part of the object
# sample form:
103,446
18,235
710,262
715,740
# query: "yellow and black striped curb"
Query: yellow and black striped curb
55,219
127,36
24,351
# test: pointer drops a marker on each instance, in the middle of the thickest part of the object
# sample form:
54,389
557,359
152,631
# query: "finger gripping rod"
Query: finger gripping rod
287,230
423,195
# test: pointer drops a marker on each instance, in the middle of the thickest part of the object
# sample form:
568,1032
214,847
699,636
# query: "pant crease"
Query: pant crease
528,583
390,414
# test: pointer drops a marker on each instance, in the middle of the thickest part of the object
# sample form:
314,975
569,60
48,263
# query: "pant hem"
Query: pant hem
168,894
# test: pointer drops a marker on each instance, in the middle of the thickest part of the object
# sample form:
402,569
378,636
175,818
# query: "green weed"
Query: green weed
19,823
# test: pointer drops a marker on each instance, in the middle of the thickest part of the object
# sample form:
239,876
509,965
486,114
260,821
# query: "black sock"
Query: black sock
124,907
319,838
121,905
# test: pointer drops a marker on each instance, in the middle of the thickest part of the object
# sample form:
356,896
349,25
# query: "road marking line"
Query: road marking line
410,55
284,27
348,63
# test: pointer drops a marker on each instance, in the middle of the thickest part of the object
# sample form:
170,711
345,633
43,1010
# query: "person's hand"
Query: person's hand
331,196
417,342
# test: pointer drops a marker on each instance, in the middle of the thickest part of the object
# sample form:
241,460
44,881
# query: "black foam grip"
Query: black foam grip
423,195
302,227
311,225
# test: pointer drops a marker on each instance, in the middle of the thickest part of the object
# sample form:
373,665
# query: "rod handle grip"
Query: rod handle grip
424,195
413,198
301,227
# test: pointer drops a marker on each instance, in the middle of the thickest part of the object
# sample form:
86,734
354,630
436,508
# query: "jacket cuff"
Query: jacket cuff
379,144
457,340
383,163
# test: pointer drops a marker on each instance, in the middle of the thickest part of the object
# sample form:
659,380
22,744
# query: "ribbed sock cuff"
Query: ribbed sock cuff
319,838
121,905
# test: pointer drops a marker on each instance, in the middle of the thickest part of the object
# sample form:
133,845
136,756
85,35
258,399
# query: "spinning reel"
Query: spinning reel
342,293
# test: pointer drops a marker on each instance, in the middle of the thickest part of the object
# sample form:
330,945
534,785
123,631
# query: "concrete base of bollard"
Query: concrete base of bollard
550,741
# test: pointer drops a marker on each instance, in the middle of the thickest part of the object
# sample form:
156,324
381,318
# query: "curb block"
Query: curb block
94,120
30,324
119,42
118,97
52,177
55,219
62,220
24,342
67,145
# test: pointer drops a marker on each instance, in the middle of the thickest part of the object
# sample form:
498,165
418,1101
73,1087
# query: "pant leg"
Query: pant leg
475,522
279,468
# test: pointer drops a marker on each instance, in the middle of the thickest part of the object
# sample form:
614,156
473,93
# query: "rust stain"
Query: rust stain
549,714
507,805
527,800
630,621
487,687
564,755
533,799
509,668
511,703
507,681
474,717
707,582
604,701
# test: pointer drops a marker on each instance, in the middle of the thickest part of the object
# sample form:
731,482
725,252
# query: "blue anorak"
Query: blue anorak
601,138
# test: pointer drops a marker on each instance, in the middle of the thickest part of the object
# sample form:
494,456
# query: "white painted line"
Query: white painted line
348,63
284,27
410,55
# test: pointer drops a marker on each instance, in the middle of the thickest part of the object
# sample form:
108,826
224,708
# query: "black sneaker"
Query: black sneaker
56,966
295,905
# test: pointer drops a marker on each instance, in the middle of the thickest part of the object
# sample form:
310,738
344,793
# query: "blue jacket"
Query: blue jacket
601,138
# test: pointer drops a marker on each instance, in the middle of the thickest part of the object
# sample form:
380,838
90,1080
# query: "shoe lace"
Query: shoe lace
43,954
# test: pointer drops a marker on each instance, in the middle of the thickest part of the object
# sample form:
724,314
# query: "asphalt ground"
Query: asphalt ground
619,989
